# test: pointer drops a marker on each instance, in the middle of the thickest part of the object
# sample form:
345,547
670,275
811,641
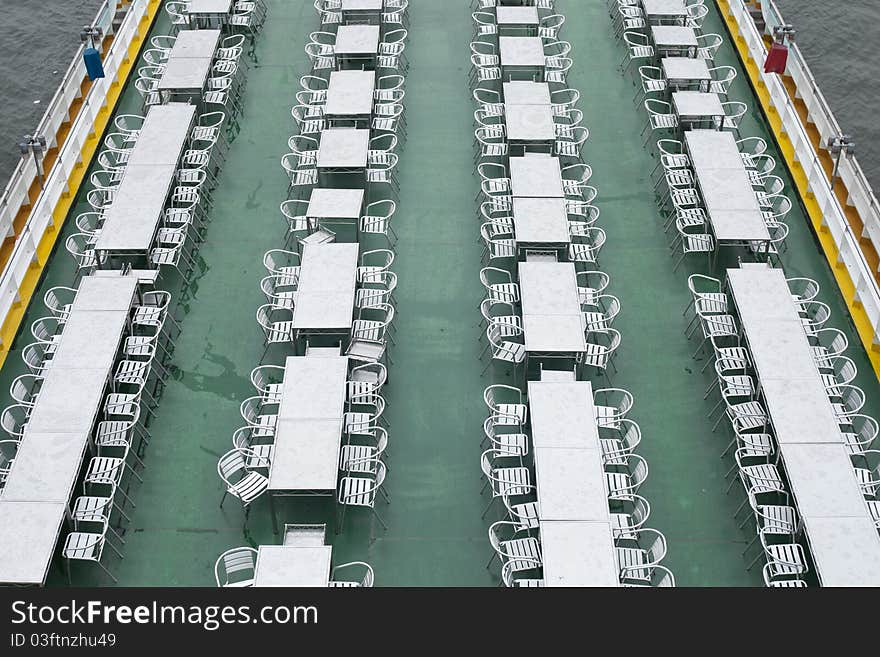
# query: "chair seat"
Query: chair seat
511,481
132,372
786,559
527,548
619,485
607,417
367,329
510,414
636,563
511,444
91,508
371,297
249,487
280,332
357,458
622,526
104,470
358,491
366,350
762,478
507,292
359,423
83,545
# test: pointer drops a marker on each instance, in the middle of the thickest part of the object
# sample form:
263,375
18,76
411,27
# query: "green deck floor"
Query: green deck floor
435,536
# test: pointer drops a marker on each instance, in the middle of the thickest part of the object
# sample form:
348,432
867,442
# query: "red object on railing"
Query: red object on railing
776,58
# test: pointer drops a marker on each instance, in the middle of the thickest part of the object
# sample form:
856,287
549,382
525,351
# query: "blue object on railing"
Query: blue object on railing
94,67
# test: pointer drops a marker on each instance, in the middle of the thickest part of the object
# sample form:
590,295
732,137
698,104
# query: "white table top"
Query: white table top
26,552
517,15
561,334
540,220
361,5
846,551
333,203
134,216
286,565
196,44
578,554
712,149
314,388
69,401
141,275
537,176
45,468
90,340
163,135
570,484
664,8
306,455
549,288
674,36
96,293
822,481
801,411
562,414
529,123
685,68
523,92
730,201
357,40
522,51
210,6
343,148
328,267
325,297
350,93
696,104
185,74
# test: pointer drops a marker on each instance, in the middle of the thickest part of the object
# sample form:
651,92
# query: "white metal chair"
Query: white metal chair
236,567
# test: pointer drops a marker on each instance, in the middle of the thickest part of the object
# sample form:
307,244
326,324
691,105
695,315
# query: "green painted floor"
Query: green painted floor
436,536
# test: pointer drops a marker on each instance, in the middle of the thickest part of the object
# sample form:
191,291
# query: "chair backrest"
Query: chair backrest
263,376
305,535
34,356
14,419
803,288
276,259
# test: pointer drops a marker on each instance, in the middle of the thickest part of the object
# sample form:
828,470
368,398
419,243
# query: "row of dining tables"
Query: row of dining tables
133,218
843,540
34,500
577,542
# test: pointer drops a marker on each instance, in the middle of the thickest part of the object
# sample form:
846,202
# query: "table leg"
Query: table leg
272,511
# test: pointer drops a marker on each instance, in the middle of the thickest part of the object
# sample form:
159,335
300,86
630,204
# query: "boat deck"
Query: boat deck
436,536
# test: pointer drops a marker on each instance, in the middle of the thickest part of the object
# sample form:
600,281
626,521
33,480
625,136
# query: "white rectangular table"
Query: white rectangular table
514,19
334,203
163,135
291,566
674,40
356,42
562,414
208,12
69,400
663,10
683,72
522,54
552,320
90,340
189,63
523,92
538,176
45,468
27,541
314,388
733,210
578,554
570,484
95,293
529,124
350,95
305,458
133,218
343,148
540,222
325,296
195,44
697,108
846,551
